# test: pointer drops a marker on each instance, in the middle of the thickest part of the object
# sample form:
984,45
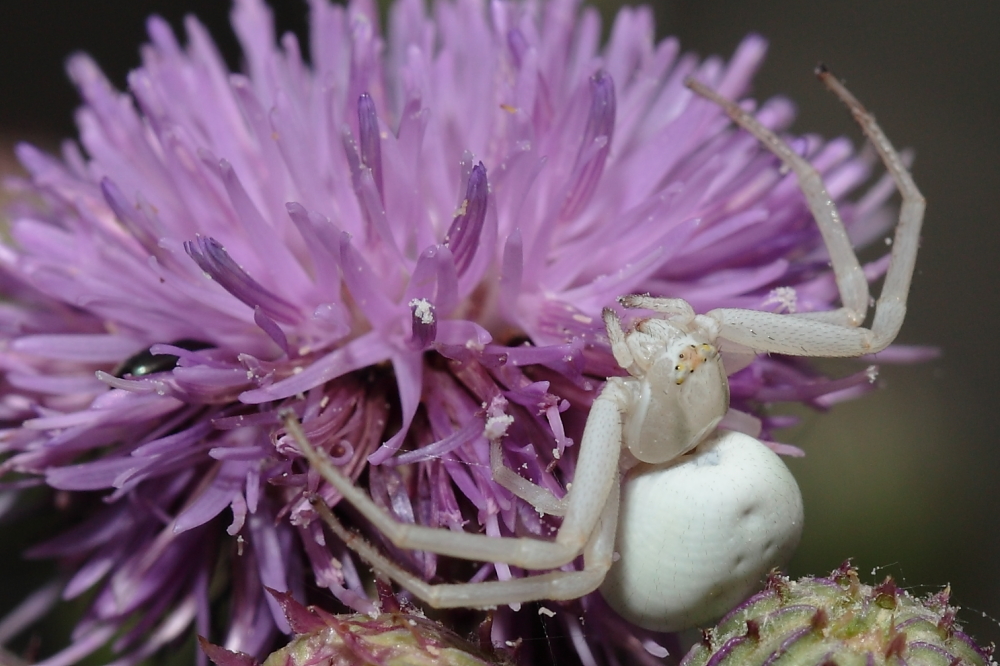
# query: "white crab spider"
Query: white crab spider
704,512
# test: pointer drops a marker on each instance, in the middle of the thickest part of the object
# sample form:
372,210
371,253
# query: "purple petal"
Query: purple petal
365,285
214,498
212,258
370,139
409,376
595,145
359,353
88,348
463,235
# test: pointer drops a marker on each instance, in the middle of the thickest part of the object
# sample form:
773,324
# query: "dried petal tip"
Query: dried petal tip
838,620
390,639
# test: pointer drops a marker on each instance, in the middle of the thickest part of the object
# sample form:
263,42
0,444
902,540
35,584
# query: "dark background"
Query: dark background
904,481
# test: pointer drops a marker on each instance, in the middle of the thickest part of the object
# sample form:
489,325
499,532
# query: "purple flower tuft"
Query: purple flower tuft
408,241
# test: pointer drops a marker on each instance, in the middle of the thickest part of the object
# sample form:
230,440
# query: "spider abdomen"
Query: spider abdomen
698,535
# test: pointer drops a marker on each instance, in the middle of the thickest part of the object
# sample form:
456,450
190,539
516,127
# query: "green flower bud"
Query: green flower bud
390,639
838,621
398,638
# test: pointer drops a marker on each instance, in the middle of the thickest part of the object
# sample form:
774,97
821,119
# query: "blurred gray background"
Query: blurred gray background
903,481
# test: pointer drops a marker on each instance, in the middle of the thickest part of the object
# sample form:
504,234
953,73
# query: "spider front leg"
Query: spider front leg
850,277
555,585
673,308
591,510
832,333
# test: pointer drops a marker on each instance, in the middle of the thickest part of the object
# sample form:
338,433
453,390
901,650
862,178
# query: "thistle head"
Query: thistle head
839,620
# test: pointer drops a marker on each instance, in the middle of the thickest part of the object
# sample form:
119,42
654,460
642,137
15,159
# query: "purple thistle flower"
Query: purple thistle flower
408,242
